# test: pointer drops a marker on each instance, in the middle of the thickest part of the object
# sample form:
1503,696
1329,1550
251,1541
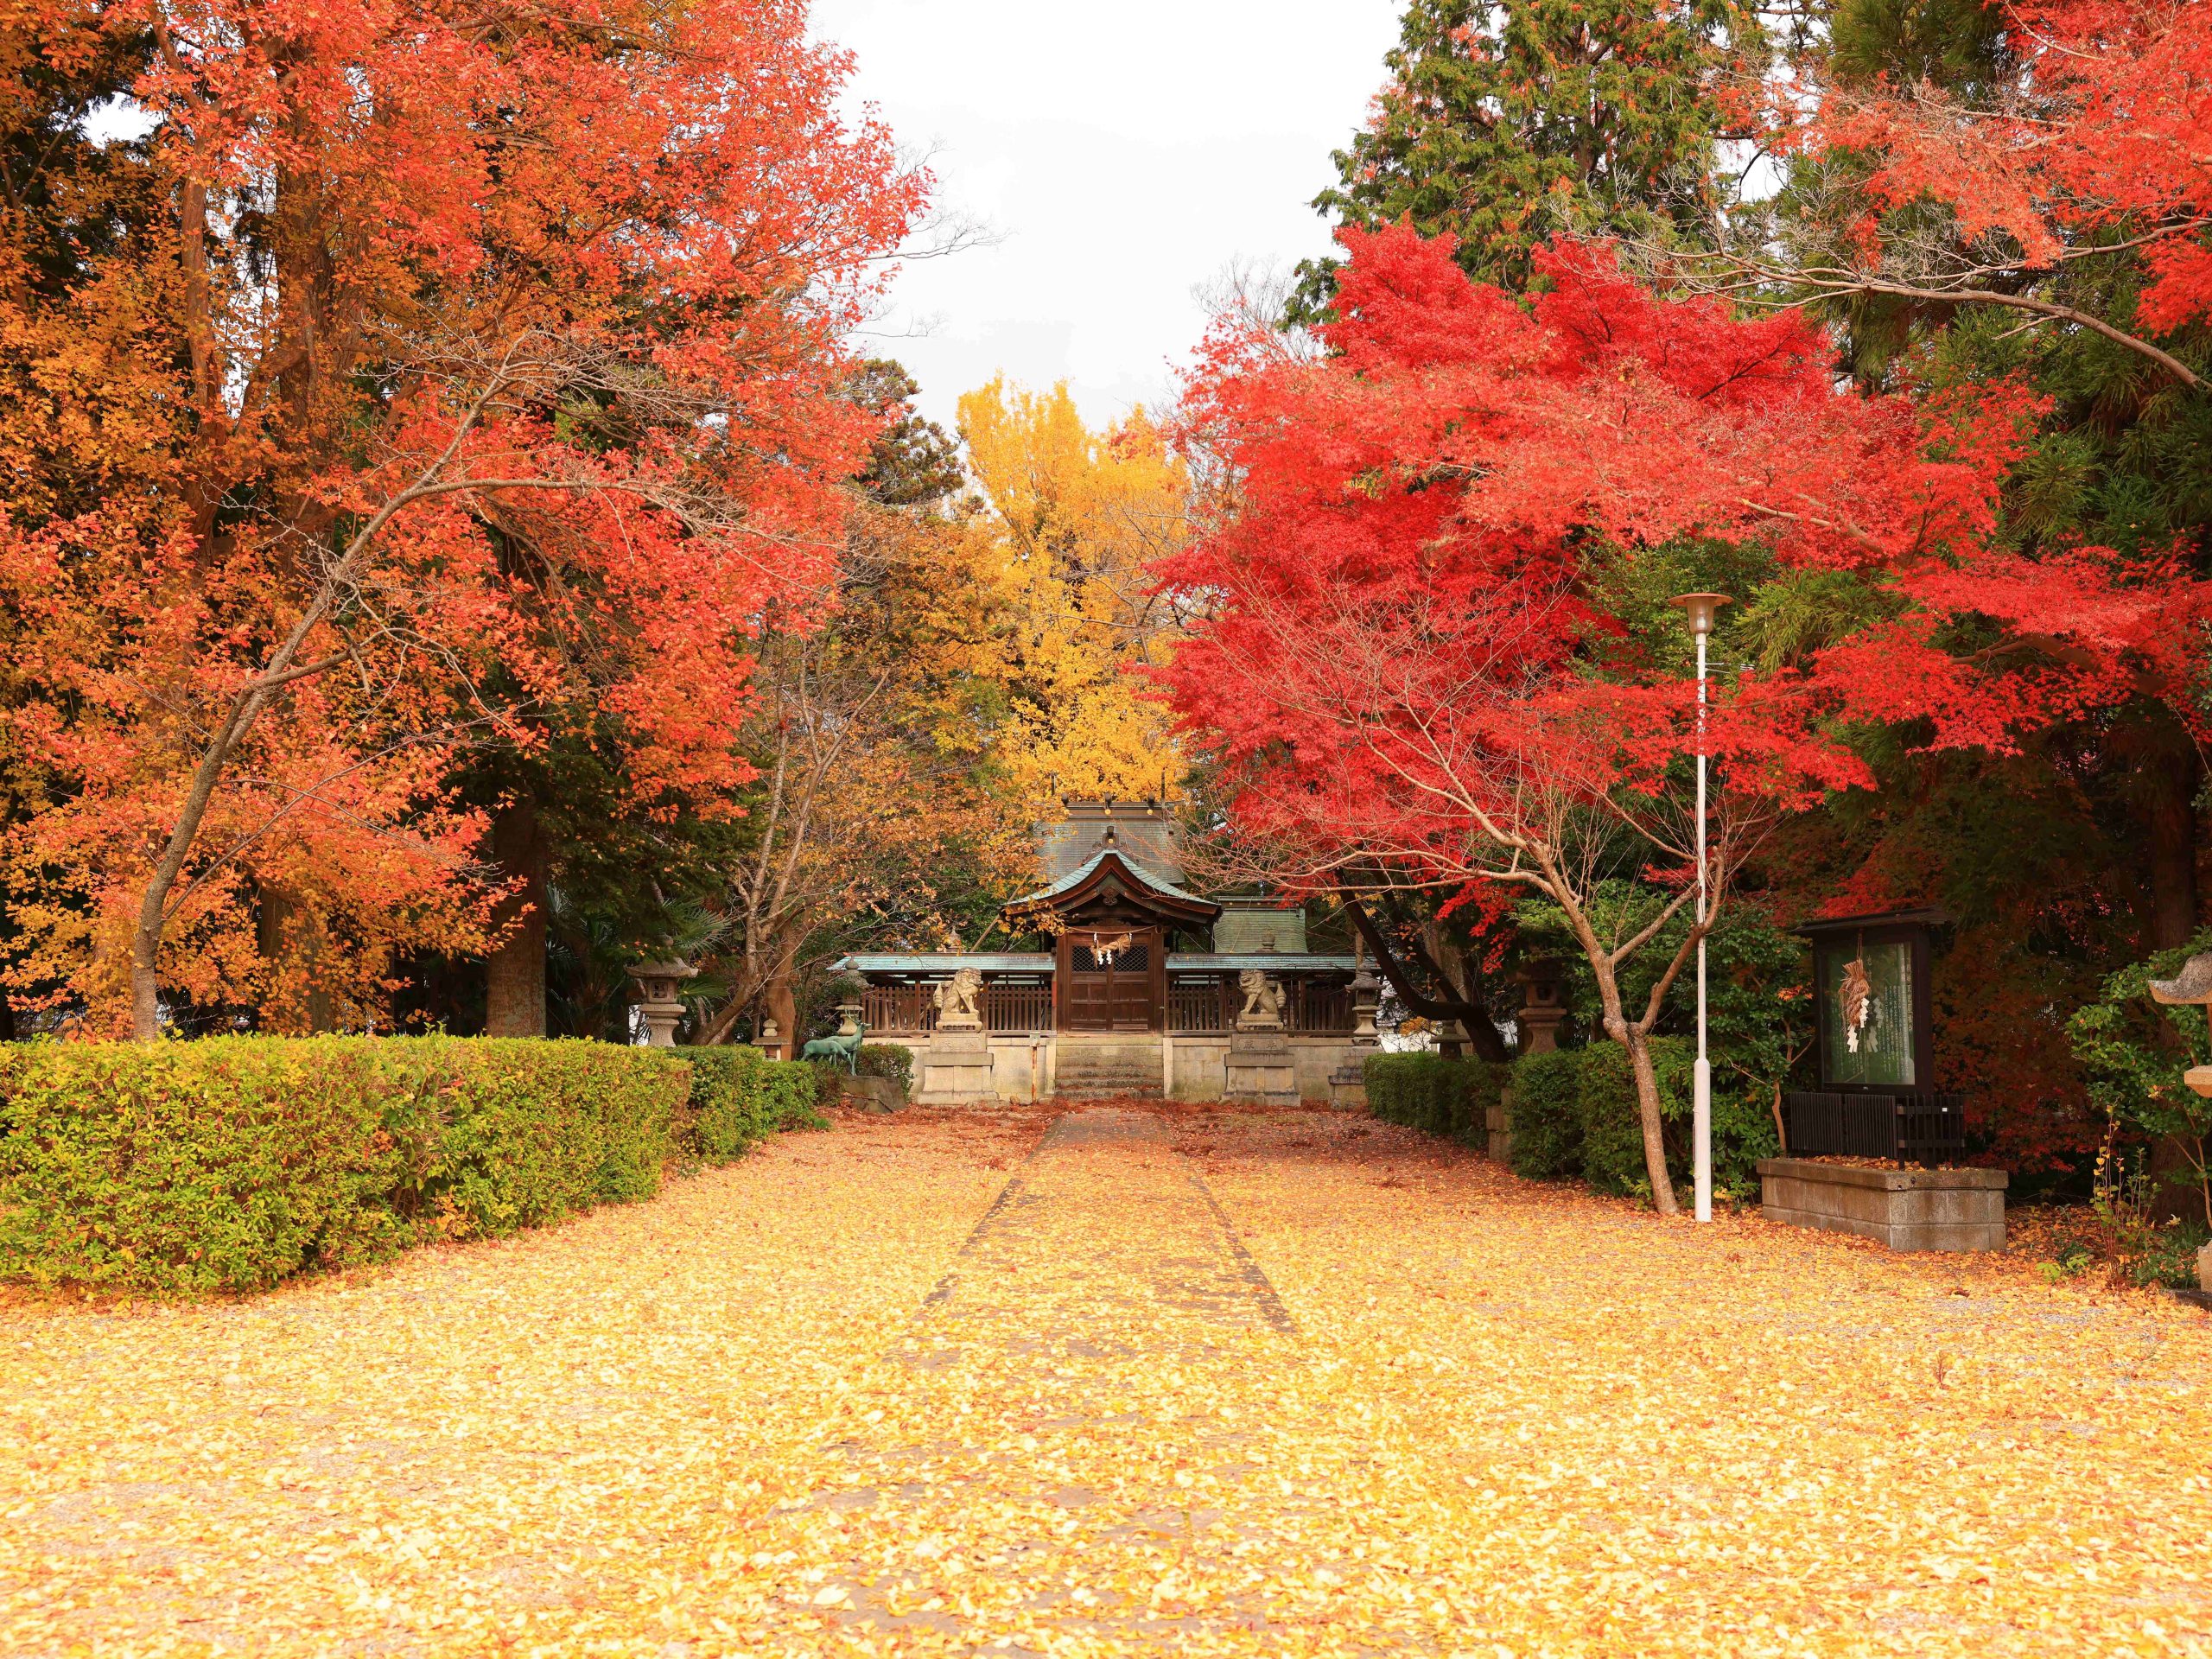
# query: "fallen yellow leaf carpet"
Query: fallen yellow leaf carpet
1147,1381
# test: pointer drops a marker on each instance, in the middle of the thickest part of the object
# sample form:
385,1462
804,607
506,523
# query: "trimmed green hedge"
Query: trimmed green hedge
1543,1115
1612,1133
1427,1091
892,1060
739,1095
233,1162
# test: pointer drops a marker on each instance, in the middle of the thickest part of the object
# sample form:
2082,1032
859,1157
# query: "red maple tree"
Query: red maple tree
1400,661
2096,140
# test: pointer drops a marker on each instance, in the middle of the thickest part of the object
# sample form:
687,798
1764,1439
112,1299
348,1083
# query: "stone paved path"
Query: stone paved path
1136,1382
1104,1302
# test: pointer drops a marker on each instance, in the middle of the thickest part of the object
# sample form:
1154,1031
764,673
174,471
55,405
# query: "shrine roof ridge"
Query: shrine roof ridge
1926,916
1076,877
1020,962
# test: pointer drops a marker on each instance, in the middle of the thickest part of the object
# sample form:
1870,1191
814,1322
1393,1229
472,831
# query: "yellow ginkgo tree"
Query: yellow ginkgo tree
1075,517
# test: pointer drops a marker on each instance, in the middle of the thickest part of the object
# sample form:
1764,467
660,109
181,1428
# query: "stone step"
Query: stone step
1113,1074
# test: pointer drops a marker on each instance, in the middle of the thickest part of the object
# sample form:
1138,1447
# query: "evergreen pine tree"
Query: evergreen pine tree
1502,122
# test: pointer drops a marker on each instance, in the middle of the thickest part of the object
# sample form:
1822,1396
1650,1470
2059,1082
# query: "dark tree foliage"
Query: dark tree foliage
1500,123
914,463
2079,853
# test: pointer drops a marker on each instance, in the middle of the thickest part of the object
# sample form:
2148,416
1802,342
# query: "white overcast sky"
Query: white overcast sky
1126,153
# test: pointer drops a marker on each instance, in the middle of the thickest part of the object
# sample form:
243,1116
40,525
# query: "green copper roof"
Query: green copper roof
1010,962
1076,877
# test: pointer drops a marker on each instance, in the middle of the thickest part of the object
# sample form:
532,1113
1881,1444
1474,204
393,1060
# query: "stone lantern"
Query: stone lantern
1543,1006
1348,1083
848,1008
660,998
1366,1003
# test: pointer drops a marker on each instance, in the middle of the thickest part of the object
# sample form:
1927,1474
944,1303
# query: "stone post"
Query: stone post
1348,1083
659,999
957,1066
1261,1066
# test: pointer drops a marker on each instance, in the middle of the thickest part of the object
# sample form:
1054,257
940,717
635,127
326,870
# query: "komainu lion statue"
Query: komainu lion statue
957,999
1262,1000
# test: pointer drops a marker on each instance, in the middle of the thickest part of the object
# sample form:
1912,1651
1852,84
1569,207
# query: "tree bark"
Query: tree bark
1481,1033
514,1001
2171,811
286,934
782,1006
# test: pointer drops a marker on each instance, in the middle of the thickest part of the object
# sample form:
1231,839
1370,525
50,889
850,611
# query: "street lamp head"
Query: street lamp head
1702,608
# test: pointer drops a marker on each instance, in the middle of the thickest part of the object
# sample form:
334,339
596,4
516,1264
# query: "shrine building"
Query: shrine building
1148,989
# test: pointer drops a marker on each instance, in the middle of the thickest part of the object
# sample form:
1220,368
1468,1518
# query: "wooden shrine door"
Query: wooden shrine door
1110,979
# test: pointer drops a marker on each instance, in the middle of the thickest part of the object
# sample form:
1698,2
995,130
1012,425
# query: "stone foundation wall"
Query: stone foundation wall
1198,1065
1022,1068
1905,1209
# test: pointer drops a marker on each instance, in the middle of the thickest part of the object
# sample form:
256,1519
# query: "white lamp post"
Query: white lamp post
1701,608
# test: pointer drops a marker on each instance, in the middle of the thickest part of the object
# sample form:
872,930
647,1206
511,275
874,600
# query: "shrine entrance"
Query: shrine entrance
1110,979
1112,921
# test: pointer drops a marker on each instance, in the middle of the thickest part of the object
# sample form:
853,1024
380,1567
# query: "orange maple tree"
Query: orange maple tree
417,367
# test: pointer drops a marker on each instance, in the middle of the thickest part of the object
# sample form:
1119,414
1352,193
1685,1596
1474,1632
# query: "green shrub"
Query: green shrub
739,1095
892,1060
233,1162
789,1096
1542,1116
1612,1133
1427,1091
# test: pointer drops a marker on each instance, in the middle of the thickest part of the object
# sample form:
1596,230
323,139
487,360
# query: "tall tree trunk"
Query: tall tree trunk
514,1002
1626,1032
2170,810
782,1006
1648,1119
289,938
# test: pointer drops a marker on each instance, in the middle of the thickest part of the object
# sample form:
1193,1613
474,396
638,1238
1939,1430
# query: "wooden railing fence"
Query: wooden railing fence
1008,1008
1195,1007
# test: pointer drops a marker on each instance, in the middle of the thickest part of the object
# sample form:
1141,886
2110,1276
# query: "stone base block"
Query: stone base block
1348,1084
870,1094
1262,1068
1905,1209
955,1067
1500,1141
